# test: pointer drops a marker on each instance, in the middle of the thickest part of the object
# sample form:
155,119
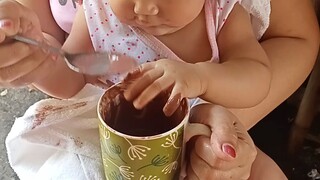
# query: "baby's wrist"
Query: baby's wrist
200,71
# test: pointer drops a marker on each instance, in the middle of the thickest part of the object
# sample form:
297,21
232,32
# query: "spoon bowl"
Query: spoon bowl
99,63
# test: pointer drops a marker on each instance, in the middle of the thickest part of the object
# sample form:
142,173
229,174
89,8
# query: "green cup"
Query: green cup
143,144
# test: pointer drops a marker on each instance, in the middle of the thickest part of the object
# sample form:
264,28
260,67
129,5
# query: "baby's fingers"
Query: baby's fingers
138,77
174,100
145,88
160,85
132,80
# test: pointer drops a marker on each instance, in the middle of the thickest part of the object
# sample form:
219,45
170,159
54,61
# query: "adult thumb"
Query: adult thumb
224,142
222,122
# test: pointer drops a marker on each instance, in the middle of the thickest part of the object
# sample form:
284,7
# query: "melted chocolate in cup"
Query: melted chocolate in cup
122,116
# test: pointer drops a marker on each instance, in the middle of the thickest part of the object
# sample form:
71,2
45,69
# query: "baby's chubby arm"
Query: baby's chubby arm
242,79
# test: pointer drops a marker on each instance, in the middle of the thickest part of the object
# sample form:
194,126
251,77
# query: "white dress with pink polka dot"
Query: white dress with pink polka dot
108,34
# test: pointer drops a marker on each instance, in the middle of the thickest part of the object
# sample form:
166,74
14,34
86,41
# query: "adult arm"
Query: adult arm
60,82
291,43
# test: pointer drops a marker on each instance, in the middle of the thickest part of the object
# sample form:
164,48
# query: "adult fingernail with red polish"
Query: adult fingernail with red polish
229,149
4,23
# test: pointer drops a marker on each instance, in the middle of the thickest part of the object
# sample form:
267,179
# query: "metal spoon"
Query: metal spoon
100,63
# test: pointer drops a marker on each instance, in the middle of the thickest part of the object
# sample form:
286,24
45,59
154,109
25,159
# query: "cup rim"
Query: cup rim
152,137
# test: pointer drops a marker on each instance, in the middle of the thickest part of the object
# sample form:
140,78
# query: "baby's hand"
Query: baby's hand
183,79
20,64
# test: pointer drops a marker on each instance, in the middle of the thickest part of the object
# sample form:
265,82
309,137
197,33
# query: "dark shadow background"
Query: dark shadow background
272,136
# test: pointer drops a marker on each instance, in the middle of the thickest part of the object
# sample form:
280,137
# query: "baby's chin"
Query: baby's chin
159,31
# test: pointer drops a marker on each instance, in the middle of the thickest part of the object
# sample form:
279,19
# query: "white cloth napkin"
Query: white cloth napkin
58,139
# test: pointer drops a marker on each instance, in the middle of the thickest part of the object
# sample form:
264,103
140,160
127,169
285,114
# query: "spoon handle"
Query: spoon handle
38,44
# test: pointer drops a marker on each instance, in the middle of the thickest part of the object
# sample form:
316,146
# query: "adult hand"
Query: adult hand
20,64
227,154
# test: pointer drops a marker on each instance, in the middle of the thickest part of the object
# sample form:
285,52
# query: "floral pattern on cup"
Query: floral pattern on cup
141,159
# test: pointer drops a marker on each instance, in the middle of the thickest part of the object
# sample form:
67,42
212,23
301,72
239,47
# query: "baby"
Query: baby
207,49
